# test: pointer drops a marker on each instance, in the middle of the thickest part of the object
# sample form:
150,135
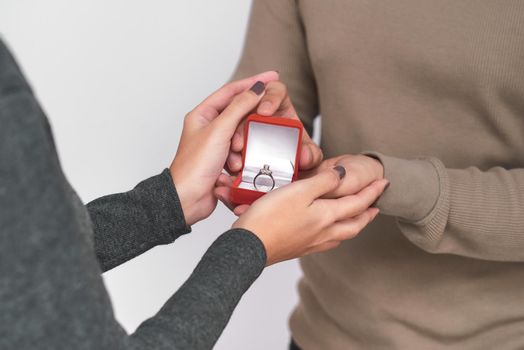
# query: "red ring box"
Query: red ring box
275,141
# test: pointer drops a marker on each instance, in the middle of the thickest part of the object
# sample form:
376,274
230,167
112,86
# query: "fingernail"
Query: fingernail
387,185
276,70
376,213
341,171
258,88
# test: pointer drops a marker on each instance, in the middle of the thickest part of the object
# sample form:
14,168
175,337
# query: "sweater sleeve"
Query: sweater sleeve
128,224
195,316
467,212
51,291
276,40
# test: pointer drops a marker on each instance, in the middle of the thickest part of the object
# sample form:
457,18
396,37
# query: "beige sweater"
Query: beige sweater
438,86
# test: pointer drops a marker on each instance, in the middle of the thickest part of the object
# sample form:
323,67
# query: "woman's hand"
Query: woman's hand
206,141
295,220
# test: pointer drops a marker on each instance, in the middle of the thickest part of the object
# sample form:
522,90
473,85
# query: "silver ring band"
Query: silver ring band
265,171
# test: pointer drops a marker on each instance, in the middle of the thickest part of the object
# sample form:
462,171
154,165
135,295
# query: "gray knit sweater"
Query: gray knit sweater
53,249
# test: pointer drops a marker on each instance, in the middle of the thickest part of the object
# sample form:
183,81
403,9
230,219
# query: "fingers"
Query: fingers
224,180
319,184
239,108
362,171
241,209
234,162
237,143
222,193
276,98
277,101
350,206
349,228
344,230
221,98
310,155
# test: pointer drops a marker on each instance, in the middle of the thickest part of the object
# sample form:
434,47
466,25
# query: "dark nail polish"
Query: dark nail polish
341,171
258,88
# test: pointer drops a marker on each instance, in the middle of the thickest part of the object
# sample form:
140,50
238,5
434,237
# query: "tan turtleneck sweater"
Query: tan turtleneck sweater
437,89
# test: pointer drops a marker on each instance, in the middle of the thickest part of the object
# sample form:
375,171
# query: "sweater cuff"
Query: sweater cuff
166,208
240,253
414,186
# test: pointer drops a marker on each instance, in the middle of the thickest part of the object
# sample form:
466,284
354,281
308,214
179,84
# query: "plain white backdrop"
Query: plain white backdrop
116,79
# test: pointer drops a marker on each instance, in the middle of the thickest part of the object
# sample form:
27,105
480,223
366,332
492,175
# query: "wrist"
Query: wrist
240,225
186,198
377,166
415,186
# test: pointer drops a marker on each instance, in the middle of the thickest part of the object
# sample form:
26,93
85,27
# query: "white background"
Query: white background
116,79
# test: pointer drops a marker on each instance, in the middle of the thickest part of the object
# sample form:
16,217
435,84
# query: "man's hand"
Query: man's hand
361,172
276,102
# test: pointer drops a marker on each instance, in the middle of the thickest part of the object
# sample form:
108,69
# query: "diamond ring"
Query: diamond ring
264,178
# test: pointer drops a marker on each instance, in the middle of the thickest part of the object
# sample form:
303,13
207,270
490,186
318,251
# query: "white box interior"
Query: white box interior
275,146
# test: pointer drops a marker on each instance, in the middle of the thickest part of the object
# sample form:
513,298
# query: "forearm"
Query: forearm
196,314
467,212
50,280
128,224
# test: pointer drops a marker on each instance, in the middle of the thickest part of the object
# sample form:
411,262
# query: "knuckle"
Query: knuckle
333,178
321,208
326,214
351,232
342,234
329,217
244,99
188,117
359,183
359,205
276,90
228,87
372,194
320,154
283,88
277,84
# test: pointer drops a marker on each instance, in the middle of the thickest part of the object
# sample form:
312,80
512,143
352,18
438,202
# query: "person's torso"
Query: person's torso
415,78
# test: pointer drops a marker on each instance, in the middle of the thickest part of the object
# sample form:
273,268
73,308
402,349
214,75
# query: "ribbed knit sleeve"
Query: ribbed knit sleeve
468,212
276,41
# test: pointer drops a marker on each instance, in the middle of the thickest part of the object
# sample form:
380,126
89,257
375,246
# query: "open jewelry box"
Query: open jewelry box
271,150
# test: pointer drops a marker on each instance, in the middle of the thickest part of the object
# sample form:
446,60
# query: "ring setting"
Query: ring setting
264,175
